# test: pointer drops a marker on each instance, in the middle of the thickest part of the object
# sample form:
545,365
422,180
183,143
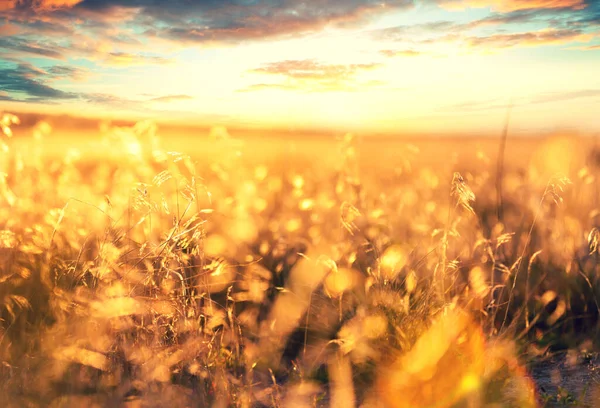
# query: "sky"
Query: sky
397,66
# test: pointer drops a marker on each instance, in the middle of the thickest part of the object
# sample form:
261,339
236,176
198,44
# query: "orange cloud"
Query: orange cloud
513,5
8,28
58,3
7,5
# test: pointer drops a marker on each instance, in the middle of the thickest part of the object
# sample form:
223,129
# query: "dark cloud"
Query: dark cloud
590,16
122,22
23,46
203,21
66,72
26,83
234,22
553,14
20,47
30,82
230,9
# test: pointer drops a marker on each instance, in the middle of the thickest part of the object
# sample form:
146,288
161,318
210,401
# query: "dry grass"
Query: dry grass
152,278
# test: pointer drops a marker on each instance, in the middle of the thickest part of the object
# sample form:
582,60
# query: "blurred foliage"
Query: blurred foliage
151,278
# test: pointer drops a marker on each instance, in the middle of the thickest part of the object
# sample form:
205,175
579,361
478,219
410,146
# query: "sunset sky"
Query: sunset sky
423,66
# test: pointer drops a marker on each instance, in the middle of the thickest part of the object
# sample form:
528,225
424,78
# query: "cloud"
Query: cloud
66,72
512,5
588,47
311,69
560,18
111,100
261,20
532,38
8,29
127,59
400,53
38,5
216,20
520,16
35,48
473,106
4,96
590,15
171,98
51,25
460,35
27,80
59,29
408,32
550,97
52,4
127,103
268,87
92,49
312,76
542,98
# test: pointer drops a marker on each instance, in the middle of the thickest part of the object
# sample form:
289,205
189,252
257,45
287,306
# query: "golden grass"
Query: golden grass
137,276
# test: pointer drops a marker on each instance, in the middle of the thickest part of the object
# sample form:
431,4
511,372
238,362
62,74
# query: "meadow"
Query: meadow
144,271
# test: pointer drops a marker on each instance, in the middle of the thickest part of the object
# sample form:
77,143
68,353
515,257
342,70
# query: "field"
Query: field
139,271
